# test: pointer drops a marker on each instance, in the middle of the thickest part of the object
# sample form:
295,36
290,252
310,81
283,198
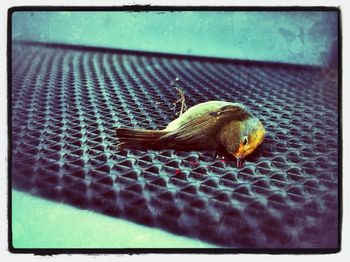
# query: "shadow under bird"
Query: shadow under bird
212,125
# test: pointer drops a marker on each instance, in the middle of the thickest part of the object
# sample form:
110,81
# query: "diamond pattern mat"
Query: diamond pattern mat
67,103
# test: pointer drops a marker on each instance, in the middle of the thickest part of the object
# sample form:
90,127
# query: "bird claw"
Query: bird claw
175,103
182,98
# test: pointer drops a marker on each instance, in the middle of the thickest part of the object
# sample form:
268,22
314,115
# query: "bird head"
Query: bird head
242,137
252,133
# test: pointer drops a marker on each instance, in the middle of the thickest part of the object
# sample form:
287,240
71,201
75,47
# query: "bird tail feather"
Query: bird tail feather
129,137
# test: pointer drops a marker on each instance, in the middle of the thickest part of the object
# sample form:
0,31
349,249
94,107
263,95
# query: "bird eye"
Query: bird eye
245,141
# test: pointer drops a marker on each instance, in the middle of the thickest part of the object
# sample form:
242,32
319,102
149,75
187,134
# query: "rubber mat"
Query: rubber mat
67,103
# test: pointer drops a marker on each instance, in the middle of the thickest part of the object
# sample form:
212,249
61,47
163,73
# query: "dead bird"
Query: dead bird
211,125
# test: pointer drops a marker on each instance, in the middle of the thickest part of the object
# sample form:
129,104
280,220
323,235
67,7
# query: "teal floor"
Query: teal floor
291,37
39,223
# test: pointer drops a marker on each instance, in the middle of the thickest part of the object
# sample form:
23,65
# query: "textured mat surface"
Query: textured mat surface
67,103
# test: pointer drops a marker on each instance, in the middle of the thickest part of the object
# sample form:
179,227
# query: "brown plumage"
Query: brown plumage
206,126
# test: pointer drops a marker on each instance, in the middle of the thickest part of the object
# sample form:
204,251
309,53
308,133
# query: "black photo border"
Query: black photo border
141,8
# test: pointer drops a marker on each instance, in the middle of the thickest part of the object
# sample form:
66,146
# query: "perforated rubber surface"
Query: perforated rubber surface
67,103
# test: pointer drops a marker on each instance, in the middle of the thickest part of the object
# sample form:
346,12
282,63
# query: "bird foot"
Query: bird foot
182,98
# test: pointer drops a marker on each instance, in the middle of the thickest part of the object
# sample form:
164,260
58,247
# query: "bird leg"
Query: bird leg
182,98
174,104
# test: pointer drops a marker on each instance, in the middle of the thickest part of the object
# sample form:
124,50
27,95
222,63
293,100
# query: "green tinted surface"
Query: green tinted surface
39,223
292,37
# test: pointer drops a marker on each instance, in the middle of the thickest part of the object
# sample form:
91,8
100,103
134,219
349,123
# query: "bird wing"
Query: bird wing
197,111
206,126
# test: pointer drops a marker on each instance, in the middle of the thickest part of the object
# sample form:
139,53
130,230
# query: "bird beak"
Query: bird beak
239,162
